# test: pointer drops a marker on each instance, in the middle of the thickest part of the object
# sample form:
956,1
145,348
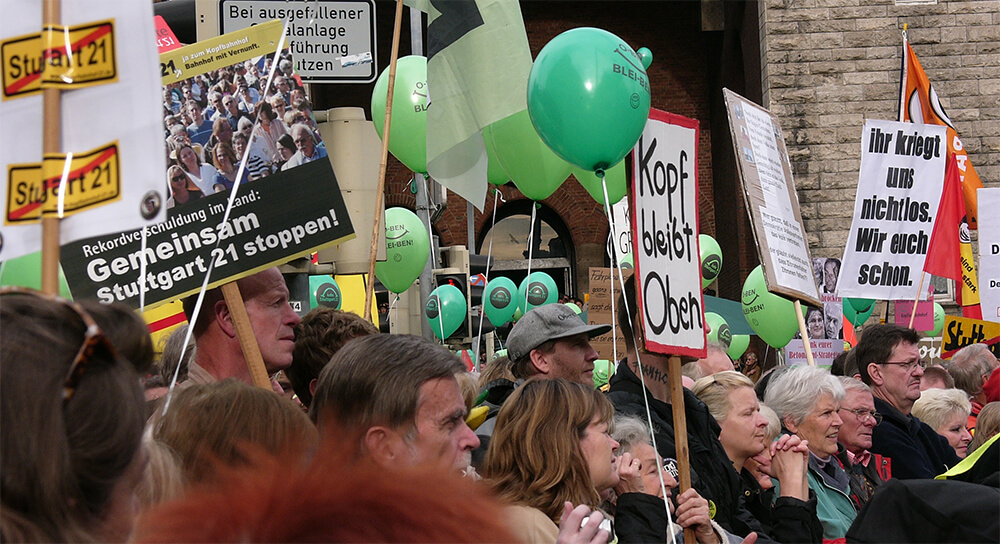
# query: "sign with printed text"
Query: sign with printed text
605,287
775,218
332,41
962,331
899,189
989,253
923,321
219,52
823,351
664,204
166,40
103,58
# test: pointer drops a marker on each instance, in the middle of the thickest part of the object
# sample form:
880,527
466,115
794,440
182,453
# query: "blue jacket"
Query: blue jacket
916,450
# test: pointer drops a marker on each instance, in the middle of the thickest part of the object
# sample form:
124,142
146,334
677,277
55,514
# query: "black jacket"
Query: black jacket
786,519
915,449
712,473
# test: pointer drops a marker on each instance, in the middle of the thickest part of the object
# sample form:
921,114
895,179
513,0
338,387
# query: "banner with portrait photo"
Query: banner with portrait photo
287,202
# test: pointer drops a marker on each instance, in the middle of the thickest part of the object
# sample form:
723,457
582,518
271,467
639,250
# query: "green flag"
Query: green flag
477,73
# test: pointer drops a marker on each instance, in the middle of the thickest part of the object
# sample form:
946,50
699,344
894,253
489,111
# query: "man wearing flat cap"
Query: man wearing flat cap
554,342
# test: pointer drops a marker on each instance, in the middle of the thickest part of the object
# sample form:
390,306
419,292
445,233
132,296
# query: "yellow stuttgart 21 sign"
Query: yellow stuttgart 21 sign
64,57
93,179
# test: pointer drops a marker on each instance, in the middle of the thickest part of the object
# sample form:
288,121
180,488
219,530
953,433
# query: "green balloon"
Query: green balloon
445,310
711,259
771,316
646,56
576,309
495,174
407,246
324,291
603,370
721,332
26,271
588,96
531,165
408,129
853,314
518,314
615,176
739,346
938,321
538,289
498,300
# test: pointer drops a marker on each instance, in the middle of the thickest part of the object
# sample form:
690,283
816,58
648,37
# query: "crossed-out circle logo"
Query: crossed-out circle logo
725,335
537,293
711,266
500,298
433,307
328,295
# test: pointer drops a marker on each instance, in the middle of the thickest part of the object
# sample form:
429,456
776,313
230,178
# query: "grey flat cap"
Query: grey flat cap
544,323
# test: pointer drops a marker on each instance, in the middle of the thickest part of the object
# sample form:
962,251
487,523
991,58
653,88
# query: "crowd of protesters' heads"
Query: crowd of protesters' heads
363,436
213,121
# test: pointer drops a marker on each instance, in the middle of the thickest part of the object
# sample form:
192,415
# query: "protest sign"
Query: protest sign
604,286
775,218
664,201
112,134
899,188
823,351
923,321
989,253
963,331
620,239
294,208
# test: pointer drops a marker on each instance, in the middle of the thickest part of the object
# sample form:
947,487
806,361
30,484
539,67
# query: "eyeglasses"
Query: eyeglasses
907,365
92,338
863,415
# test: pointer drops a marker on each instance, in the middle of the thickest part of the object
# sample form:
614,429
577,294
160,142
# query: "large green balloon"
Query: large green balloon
324,291
603,370
531,165
407,246
739,346
408,129
498,300
938,321
538,289
858,310
720,329
615,176
445,310
771,316
711,259
26,271
588,95
495,174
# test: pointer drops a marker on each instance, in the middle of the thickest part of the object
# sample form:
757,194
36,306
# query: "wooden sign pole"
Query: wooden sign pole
244,332
680,432
377,224
51,143
804,333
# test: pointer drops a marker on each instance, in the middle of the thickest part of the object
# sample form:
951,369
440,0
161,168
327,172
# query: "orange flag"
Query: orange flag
918,103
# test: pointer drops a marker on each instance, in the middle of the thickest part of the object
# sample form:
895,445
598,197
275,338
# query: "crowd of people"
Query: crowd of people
385,437
214,120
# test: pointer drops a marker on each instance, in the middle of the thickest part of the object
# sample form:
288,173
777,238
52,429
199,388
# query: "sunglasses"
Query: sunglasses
93,337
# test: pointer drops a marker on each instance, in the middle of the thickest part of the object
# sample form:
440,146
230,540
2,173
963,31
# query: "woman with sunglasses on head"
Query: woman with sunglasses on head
791,515
73,416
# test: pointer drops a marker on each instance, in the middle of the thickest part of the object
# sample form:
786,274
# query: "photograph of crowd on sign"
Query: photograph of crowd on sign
826,322
211,121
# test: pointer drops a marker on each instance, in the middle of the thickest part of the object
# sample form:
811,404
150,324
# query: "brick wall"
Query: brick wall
830,64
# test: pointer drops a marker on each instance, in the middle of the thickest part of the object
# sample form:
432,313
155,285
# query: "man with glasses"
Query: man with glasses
866,470
889,362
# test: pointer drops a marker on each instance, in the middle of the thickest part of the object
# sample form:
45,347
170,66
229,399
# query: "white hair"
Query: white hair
794,393
936,406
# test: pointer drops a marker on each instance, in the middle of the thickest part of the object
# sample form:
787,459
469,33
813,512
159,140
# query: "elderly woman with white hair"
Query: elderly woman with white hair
946,411
807,400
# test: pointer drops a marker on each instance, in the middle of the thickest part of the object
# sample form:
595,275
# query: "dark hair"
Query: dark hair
320,334
876,345
61,458
934,372
376,379
286,141
522,368
837,366
126,330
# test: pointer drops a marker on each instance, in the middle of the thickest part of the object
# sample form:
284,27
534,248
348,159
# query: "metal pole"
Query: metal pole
423,200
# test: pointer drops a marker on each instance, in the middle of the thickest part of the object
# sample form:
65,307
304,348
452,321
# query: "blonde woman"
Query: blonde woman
947,412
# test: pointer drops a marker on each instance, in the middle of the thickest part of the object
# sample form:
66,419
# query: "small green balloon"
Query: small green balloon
711,259
498,300
738,346
26,271
771,316
531,165
576,309
582,104
407,246
646,56
495,174
536,290
324,291
518,314
860,305
445,310
603,370
938,321
408,132
855,316
721,332
615,177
